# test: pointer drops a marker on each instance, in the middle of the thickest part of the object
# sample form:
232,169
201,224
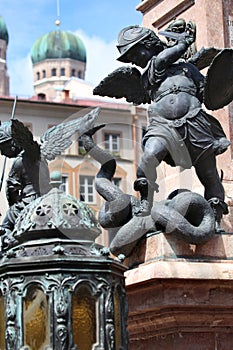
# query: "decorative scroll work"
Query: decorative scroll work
10,290
61,286
95,304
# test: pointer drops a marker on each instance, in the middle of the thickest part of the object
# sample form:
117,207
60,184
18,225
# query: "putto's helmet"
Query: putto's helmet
5,132
130,36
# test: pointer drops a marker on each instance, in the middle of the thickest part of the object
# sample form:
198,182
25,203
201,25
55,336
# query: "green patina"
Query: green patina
3,30
58,44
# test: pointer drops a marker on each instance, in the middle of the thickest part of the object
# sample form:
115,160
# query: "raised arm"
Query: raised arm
168,56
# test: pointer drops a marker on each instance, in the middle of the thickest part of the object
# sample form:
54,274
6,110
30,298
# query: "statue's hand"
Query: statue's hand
191,29
187,38
191,32
190,39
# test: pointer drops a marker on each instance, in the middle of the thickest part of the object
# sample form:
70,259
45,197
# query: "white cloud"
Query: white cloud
101,57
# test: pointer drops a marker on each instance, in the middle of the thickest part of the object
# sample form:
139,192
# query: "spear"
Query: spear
5,159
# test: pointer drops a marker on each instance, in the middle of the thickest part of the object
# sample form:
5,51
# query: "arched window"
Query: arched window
84,318
54,72
36,317
41,97
62,72
44,74
38,75
73,73
80,74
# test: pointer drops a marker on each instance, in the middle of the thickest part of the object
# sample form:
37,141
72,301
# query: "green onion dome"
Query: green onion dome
3,30
58,44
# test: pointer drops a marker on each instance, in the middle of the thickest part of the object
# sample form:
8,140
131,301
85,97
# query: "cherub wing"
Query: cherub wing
203,58
23,138
58,138
123,82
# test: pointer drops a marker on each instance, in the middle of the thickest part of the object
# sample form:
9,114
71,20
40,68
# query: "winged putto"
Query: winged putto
29,176
181,132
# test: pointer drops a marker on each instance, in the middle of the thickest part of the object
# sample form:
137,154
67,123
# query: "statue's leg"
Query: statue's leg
154,152
214,192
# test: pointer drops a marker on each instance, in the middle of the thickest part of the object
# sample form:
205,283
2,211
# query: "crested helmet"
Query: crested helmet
129,37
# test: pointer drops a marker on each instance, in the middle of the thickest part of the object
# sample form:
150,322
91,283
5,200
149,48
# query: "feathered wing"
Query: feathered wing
23,138
123,82
58,138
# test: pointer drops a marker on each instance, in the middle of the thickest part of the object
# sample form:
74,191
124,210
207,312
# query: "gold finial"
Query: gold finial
58,22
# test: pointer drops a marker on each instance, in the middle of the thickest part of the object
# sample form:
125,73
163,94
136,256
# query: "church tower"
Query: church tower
57,57
4,78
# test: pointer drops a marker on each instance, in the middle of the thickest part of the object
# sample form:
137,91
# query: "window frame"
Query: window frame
116,151
87,186
54,72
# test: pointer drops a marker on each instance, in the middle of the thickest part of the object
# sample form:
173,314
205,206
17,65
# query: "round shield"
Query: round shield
219,88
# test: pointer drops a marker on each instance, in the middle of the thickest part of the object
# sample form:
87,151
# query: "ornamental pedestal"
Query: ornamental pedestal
60,290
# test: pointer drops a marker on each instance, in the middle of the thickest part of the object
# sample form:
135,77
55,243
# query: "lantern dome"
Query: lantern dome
57,214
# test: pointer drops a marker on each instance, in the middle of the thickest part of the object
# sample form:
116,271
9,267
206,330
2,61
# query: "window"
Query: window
62,71
38,75
44,74
73,73
112,143
41,96
84,318
64,183
54,72
80,74
86,189
36,306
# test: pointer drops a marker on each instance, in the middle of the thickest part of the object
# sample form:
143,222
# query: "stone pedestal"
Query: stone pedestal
180,295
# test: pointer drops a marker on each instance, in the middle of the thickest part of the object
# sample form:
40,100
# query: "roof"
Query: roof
58,44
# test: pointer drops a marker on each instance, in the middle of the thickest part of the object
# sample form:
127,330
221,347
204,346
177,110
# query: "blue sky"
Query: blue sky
96,22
